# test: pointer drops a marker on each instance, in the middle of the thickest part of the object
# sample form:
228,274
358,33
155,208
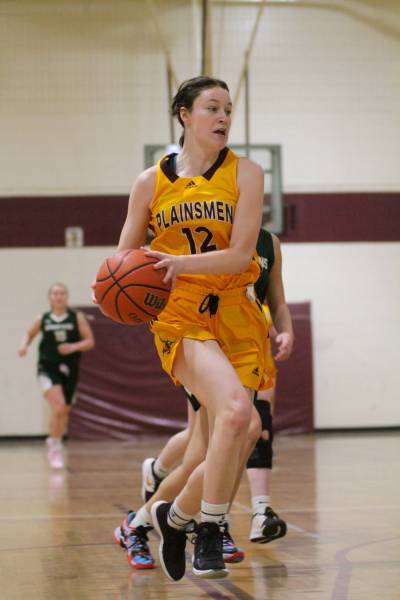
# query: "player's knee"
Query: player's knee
237,414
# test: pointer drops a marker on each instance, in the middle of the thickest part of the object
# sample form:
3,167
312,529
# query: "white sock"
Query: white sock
213,513
142,518
159,469
259,504
177,518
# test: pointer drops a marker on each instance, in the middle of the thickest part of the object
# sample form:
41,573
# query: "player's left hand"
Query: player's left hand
284,342
172,264
65,349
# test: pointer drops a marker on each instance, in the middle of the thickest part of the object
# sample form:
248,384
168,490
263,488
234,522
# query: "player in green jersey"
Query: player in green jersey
266,525
65,334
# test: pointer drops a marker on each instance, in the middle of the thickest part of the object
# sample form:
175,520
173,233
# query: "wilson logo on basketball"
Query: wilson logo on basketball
154,301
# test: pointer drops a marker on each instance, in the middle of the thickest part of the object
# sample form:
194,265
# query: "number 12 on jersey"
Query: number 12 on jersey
201,242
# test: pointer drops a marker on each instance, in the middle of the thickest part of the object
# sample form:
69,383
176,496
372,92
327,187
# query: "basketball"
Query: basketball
128,288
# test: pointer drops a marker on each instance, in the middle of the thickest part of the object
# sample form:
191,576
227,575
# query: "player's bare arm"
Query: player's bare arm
133,234
28,336
279,309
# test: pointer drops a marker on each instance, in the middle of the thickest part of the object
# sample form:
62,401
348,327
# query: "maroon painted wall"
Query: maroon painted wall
346,217
123,391
333,217
294,405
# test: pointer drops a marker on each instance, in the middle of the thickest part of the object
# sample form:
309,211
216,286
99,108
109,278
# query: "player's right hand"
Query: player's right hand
94,299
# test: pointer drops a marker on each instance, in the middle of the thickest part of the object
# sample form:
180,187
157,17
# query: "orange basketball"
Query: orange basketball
129,289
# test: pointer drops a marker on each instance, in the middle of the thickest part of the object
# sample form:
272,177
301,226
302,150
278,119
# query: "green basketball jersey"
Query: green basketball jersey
266,257
56,331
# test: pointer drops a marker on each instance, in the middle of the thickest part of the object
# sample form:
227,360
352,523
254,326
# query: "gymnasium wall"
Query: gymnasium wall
83,88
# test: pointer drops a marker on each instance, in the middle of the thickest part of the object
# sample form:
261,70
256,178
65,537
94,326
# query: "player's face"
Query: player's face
210,117
58,297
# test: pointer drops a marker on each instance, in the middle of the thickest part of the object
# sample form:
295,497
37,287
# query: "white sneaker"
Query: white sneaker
54,453
267,527
150,481
55,458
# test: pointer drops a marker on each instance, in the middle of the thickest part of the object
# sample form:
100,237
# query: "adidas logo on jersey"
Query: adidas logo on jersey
256,371
191,184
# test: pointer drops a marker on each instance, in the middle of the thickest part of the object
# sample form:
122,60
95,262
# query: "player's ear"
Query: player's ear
184,114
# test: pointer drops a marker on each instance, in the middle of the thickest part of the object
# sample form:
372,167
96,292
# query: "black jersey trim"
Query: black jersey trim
168,165
221,157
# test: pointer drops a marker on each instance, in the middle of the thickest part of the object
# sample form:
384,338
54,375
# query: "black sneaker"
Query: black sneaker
208,559
172,544
267,527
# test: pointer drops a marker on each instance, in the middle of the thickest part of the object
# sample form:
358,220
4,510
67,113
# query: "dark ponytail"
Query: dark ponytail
188,92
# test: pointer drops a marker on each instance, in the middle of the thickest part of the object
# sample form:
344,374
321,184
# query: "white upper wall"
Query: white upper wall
325,84
83,88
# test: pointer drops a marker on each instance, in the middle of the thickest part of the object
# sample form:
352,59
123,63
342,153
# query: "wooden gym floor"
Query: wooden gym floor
340,494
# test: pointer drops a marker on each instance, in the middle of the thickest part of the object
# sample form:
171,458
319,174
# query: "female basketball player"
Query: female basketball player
266,525
204,207
65,334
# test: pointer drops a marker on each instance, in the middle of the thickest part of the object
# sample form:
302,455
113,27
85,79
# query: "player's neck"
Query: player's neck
194,160
59,311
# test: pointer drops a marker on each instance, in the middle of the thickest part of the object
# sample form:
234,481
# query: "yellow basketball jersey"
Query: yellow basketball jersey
191,215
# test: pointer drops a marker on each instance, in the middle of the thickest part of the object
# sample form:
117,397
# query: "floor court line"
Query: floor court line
209,589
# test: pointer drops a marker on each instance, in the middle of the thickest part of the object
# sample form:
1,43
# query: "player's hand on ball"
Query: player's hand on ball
93,286
128,289
170,262
284,341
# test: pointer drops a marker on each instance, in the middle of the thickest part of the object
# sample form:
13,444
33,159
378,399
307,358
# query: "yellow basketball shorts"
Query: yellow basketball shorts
235,320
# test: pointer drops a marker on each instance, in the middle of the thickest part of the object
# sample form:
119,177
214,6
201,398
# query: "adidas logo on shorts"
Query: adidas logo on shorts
167,345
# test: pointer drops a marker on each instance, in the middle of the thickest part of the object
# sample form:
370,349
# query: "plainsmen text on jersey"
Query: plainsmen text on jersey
192,215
